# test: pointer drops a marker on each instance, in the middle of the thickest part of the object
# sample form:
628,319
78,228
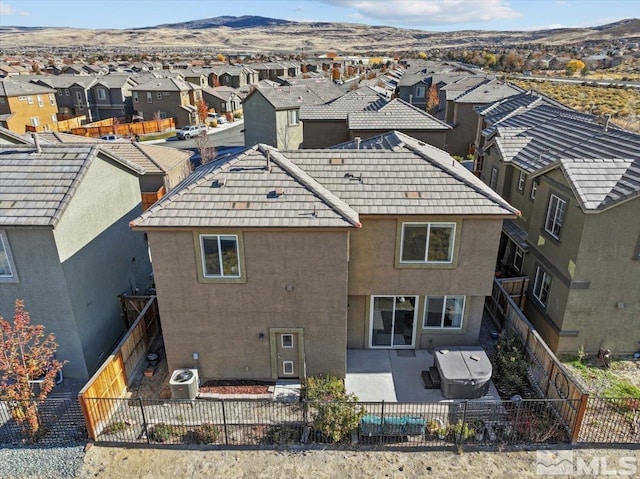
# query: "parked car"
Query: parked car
190,131
217,117
111,137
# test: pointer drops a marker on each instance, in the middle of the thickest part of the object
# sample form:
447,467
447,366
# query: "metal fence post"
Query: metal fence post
224,422
144,421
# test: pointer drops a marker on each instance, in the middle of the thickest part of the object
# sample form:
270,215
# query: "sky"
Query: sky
430,15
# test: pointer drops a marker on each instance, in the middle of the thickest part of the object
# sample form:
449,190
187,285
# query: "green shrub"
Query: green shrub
162,432
281,435
510,365
115,427
324,388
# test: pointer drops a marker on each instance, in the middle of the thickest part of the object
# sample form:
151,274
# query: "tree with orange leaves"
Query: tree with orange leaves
26,354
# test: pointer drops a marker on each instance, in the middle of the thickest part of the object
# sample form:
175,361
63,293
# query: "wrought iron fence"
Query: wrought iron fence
257,422
611,420
59,422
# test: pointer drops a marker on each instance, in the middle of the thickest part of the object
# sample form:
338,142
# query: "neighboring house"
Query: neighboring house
111,96
23,103
235,76
163,167
272,114
400,116
576,180
463,118
167,98
223,99
65,245
72,94
326,124
197,76
271,264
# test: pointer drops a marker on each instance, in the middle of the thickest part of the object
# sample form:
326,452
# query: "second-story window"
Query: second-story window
493,182
7,270
149,97
518,259
102,94
427,242
79,97
52,98
40,101
220,257
419,92
135,97
534,188
30,100
294,117
159,95
555,216
521,181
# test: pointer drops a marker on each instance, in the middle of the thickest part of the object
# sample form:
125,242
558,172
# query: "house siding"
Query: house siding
259,121
323,134
196,316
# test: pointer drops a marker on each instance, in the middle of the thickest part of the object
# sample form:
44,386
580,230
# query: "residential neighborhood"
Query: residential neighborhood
318,250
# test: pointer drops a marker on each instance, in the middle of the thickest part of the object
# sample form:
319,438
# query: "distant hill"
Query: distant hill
260,34
246,21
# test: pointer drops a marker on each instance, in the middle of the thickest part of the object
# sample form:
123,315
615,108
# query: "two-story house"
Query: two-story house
270,264
223,99
65,245
167,98
576,180
272,113
23,103
72,94
111,96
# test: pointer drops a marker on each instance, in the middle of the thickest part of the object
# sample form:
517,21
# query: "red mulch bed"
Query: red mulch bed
235,387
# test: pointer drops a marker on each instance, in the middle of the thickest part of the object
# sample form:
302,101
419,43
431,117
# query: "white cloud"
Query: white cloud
430,12
7,10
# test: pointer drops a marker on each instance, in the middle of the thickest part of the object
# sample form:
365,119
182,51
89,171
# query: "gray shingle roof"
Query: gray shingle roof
10,88
165,84
409,178
35,188
361,99
395,115
200,202
311,93
489,92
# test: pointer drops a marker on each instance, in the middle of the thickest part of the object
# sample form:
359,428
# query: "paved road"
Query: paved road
602,82
232,136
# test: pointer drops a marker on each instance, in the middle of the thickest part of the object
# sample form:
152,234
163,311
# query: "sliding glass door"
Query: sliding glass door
393,320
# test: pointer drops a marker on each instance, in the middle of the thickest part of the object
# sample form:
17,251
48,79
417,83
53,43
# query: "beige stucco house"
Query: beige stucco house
576,180
273,263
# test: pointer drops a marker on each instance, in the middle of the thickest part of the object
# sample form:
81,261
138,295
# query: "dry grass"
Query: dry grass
623,104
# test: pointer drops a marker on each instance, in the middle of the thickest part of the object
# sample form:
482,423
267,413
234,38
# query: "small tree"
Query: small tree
203,110
573,66
25,355
115,124
433,99
205,148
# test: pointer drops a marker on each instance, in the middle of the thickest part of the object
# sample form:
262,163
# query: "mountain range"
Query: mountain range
260,34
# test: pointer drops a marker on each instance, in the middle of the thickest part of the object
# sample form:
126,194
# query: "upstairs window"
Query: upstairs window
52,98
220,256
518,259
534,188
294,117
521,181
40,101
149,97
7,268
493,182
542,285
427,242
102,94
419,92
555,216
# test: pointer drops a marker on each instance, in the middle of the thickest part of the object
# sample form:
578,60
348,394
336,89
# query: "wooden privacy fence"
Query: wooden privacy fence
61,125
125,129
546,373
115,374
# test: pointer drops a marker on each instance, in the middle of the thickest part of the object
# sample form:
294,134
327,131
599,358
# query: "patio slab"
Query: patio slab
376,375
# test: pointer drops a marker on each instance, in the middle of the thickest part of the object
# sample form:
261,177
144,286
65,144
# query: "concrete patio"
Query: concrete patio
394,376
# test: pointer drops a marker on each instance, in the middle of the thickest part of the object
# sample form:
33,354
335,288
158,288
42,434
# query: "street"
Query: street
231,136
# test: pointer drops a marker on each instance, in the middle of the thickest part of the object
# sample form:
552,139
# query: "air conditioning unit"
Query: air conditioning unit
184,384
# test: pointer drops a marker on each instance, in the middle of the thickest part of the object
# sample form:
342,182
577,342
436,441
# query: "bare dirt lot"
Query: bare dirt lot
110,462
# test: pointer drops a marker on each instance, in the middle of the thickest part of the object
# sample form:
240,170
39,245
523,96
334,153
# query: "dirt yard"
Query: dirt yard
117,463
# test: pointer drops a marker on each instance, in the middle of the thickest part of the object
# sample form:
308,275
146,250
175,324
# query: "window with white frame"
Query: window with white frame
34,120
220,256
102,94
149,97
52,98
534,188
79,97
287,368
427,242
521,181
542,285
420,92
30,100
555,216
294,117
66,92
7,269
40,101
135,97
518,259
287,340
159,95
493,182
54,118
444,312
